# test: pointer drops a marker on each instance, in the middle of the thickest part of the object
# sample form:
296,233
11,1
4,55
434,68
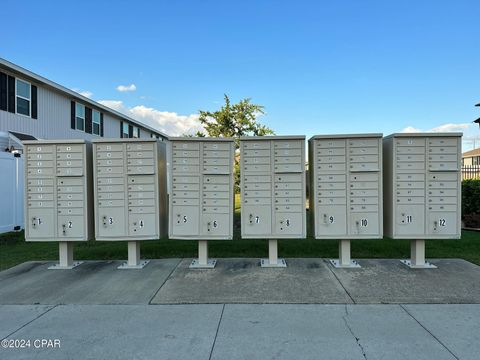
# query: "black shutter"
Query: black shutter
101,124
138,133
34,102
72,114
121,129
130,131
88,120
11,94
3,91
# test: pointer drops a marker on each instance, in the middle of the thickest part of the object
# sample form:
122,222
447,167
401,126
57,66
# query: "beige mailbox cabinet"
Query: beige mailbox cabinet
422,189
202,192
273,190
346,189
58,194
130,192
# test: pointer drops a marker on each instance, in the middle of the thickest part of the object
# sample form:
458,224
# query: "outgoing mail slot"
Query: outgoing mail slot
443,177
363,177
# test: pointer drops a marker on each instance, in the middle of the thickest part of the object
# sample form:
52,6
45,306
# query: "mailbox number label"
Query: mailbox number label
257,219
331,219
70,225
110,220
141,224
409,219
442,222
184,218
287,222
364,222
215,223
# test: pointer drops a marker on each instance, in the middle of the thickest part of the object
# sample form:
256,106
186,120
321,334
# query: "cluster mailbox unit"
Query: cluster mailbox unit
130,193
273,190
422,182
201,200
346,190
58,194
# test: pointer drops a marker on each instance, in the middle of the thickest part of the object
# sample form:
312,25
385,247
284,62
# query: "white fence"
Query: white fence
11,192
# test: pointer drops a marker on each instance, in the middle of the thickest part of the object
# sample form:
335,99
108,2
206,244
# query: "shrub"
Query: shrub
470,197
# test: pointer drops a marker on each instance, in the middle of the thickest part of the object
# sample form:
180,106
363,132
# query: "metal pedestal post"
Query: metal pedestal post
344,260
273,260
65,251
203,262
133,261
417,256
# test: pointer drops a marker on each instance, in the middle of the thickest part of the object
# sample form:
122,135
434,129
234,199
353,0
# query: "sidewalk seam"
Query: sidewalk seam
216,333
357,339
428,331
28,323
343,287
166,279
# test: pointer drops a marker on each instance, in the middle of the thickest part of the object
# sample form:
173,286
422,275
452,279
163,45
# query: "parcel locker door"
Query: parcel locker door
40,223
111,221
331,220
364,223
216,224
71,226
410,220
142,225
442,223
288,223
257,220
185,220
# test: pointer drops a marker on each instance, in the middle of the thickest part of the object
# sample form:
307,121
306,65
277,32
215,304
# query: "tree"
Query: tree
234,120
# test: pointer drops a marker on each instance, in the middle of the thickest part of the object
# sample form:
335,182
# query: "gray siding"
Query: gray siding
54,119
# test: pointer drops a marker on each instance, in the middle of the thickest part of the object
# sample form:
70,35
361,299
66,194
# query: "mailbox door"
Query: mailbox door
185,220
111,221
70,226
41,224
257,220
410,220
331,220
216,224
442,223
142,224
288,223
364,224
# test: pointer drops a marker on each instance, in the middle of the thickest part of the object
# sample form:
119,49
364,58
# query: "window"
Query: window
23,93
96,122
136,132
125,130
80,116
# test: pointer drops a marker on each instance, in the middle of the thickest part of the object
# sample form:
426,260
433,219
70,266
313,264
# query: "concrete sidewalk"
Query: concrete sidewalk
234,281
244,331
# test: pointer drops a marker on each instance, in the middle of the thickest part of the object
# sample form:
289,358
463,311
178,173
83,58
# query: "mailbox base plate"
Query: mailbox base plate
140,265
58,267
353,264
281,263
427,265
195,264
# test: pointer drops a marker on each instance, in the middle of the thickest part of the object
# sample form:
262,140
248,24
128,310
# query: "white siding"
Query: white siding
54,119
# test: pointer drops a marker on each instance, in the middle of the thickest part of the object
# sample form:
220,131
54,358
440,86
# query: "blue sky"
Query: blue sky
318,67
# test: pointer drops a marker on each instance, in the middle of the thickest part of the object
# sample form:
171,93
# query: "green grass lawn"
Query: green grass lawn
14,249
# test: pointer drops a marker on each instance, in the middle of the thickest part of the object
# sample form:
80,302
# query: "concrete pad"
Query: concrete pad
94,282
244,281
122,332
389,281
456,326
13,317
388,332
285,332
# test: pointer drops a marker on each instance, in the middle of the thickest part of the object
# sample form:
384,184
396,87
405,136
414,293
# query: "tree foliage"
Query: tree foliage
234,120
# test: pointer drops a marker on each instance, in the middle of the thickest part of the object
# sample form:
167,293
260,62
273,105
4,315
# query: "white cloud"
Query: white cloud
126,88
168,122
441,128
